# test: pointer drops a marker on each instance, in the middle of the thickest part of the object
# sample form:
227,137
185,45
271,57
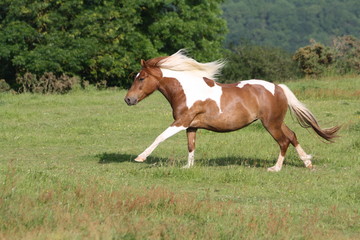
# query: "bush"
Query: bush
313,59
47,83
347,54
248,61
342,57
4,86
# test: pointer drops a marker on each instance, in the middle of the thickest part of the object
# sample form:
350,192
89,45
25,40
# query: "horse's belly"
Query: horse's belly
223,122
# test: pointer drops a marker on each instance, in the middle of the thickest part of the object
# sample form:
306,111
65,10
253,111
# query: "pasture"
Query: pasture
67,171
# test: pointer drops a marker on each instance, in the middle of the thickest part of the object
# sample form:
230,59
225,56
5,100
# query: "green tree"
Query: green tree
103,40
248,61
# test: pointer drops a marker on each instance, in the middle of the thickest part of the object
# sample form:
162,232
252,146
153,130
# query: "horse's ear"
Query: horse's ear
143,63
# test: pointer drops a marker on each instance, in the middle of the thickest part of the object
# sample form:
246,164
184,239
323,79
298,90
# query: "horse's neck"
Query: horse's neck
171,88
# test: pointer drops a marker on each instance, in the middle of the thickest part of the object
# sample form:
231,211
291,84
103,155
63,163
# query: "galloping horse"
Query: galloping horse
198,101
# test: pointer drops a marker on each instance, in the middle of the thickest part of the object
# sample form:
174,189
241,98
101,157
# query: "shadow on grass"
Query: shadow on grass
105,158
235,160
119,158
248,162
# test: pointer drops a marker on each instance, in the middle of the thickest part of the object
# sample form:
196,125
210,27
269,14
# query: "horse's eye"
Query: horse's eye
141,79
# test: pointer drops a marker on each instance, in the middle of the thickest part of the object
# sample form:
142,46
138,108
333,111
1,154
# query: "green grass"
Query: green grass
67,171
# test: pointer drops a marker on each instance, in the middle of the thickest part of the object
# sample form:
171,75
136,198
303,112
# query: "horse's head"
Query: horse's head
145,83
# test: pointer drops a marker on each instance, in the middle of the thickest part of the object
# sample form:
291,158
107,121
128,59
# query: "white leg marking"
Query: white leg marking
277,167
303,156
170,131
191,158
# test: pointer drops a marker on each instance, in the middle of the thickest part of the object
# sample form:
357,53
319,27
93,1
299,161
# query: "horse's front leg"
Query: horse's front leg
170,131
191,137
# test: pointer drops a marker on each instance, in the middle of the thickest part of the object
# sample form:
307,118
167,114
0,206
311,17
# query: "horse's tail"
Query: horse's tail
305,118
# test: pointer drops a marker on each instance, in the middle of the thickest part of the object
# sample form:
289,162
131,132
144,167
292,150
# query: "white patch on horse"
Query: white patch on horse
170,131
195,88
267,85
137,75
191,158
278,164
303,156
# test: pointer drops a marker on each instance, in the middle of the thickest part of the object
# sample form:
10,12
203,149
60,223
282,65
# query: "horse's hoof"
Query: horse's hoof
308,164
311,167
273,169
140,159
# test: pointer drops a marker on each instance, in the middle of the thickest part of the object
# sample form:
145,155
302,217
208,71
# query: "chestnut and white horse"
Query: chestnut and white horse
198,101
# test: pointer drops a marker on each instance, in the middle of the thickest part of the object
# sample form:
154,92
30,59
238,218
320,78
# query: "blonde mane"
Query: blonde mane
180,62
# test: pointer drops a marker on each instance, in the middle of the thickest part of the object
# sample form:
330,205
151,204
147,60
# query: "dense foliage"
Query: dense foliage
347,54
314,59
290,24
247,61
103,40
341,57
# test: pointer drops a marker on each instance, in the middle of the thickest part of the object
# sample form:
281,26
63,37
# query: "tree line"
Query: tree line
290,24
102,42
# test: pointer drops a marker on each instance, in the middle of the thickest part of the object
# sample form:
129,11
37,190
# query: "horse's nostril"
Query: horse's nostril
130,100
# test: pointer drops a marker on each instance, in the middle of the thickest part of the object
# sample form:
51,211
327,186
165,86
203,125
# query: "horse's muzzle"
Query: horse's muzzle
131,100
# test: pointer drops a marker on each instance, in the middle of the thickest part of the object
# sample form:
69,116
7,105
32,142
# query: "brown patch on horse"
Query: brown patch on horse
209,82
173,92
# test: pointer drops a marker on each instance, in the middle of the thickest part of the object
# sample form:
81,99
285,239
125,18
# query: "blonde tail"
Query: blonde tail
305,118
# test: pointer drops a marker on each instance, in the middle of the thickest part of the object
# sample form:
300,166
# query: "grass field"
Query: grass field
67,171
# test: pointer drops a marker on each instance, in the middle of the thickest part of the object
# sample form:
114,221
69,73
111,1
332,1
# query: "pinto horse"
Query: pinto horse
199,102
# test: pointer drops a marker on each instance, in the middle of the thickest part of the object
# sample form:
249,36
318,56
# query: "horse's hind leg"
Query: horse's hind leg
302,154
283,141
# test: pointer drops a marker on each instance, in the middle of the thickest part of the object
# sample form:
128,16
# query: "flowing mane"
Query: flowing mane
180,62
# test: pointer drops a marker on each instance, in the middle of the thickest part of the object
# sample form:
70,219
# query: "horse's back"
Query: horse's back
265,99
248,101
